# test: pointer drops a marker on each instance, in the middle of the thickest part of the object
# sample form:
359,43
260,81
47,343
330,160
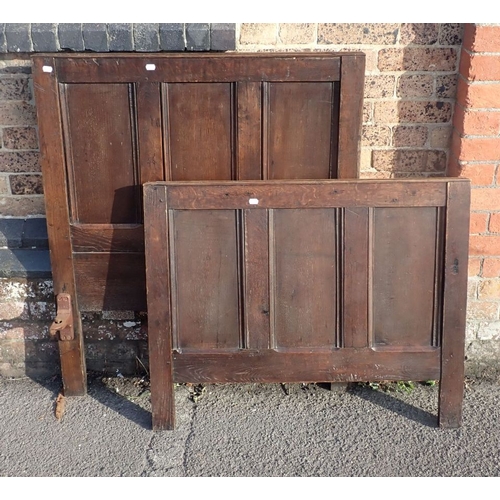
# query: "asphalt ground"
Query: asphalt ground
251,430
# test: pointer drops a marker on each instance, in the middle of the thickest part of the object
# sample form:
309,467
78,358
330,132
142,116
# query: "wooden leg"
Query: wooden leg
159,314
450,401
162,394
451,389
73,369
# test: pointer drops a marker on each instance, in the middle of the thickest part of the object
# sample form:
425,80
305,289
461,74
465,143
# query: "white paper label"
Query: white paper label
47,69
150,67
253,201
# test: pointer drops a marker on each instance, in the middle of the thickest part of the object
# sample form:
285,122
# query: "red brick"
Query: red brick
258,33
14,89
297,33
21,206
13,310
379,86
446,86
469,122
26,184
485,199
412,111
482,38
404,136
489,289
484,245
475,149
474,266
22,161
20,138
450,33
479,67
417,59
491,268
408,160
441,137
418,33
17,113
365,33
375,136
482,310
479,174
478,95
478,223
495,223
415,85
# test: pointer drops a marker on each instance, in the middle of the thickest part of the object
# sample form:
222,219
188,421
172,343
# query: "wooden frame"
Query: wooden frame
424,223
92,186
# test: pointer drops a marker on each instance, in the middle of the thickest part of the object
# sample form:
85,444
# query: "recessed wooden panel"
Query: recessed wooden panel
404,276
298,139
198,128
303,278
205,279
101,153
110,281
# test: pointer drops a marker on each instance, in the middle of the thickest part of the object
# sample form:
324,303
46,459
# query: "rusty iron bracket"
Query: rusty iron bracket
64,318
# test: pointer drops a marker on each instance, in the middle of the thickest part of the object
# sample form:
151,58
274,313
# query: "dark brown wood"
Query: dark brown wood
199,131
159,312
338,365
205,279
351,116
300,194
58,217
292,286
206,68
110,281
404,246
107,237
451,386
304,283
299,118
102,168
107,125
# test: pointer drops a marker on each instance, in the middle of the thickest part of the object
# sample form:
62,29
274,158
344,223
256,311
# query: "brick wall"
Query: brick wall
20,179
409,116
475,154
410,86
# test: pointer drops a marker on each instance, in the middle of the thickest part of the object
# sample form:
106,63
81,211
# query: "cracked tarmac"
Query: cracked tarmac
246,430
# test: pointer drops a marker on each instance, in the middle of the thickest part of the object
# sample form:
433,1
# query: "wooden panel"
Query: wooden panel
199,68
340,365
102,166
50,131
199,131
205,279
312,194
113,281
404,276
298,130
107,237
303,278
